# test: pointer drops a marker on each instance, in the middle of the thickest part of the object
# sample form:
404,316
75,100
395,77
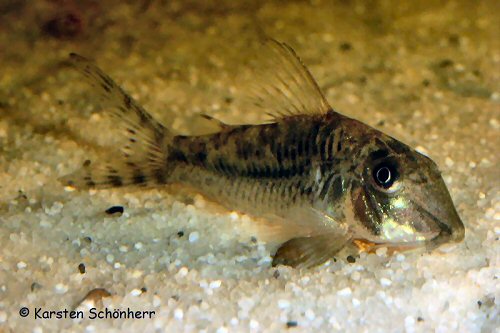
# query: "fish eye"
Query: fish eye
385,174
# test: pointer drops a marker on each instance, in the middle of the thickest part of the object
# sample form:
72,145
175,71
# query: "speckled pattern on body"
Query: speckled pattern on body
424,73
321,180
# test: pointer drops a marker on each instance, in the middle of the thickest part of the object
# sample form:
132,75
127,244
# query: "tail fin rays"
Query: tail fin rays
144,153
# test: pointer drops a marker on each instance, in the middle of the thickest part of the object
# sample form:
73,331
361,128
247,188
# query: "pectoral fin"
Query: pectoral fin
302,221
304,252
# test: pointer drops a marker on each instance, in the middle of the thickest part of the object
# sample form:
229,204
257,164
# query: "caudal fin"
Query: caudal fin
143,156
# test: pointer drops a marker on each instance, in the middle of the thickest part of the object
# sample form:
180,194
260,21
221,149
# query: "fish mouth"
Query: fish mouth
439,222
445,236
444,233
452,231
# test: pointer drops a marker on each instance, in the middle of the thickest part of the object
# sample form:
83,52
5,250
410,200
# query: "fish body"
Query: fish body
322,180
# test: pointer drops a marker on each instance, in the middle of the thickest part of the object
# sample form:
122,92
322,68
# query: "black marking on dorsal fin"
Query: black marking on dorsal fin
283,86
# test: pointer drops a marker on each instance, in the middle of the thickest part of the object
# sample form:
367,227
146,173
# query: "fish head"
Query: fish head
400,199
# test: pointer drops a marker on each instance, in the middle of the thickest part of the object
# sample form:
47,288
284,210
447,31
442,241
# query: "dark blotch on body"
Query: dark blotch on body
160,176
201,157
381,153
115,180
243,150
177,155
337,189
139,177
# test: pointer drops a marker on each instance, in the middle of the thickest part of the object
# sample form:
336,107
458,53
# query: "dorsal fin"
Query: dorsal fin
282,85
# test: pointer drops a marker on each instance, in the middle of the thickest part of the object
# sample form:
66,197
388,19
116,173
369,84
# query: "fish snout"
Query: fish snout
451,229
444,214
457,233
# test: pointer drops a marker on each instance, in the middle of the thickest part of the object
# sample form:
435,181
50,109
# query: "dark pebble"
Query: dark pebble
351,259
345,46
291,324
180,233
81,268
21,195
114,210
445,63
454,40
35,286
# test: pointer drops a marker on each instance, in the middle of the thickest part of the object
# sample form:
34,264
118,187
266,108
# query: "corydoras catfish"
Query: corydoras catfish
324,180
